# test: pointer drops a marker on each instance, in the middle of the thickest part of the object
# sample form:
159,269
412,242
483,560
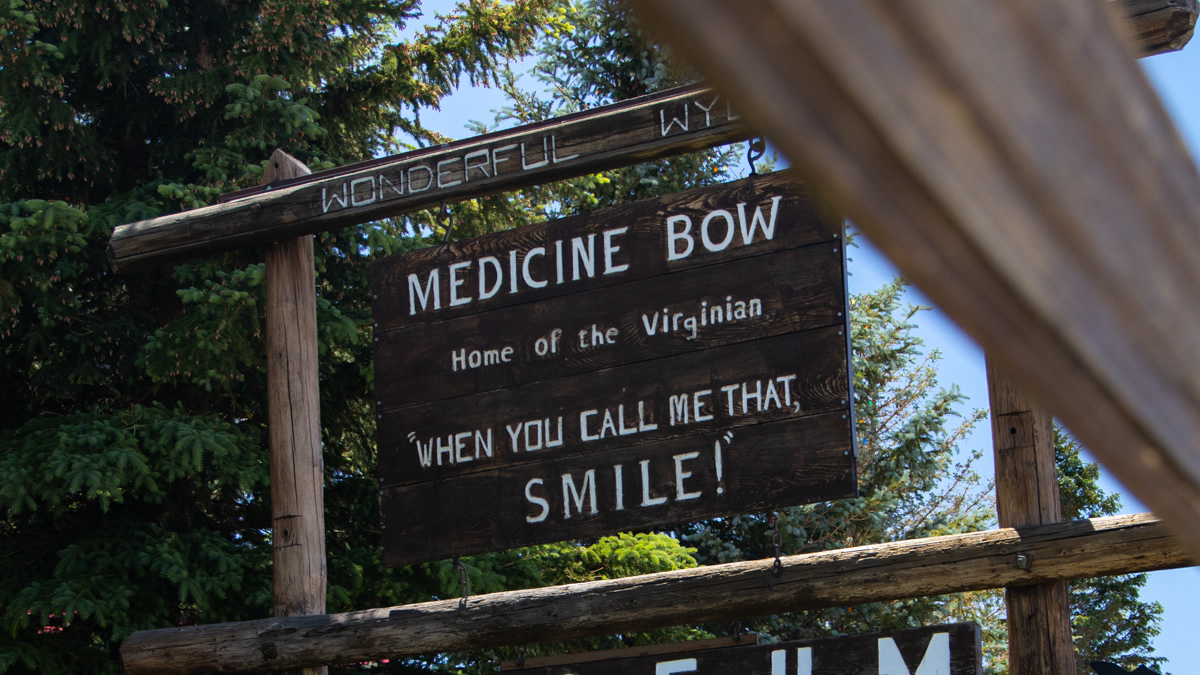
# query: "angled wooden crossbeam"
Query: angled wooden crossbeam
1013,161
652,127
881,572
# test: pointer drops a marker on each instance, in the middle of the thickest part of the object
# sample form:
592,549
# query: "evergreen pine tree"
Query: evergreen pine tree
132,440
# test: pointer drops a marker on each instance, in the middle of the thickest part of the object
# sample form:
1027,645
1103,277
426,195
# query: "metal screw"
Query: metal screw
1022,561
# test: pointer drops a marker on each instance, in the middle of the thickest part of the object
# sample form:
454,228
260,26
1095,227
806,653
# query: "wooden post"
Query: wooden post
294,407
1039,617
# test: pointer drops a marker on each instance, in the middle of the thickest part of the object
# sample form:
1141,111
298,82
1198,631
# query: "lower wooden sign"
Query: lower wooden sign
953,649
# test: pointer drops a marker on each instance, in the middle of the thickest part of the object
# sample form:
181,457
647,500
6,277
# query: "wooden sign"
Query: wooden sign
938,650
676,359
651,127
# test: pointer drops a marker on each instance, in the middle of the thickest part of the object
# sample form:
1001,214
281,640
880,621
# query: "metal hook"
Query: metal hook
754,152
777,539
464,582
447,221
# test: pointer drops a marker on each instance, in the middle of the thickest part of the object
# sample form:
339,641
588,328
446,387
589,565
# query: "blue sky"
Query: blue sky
1176,77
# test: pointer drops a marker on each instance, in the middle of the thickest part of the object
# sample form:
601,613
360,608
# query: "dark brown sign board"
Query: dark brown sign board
671,360
954,649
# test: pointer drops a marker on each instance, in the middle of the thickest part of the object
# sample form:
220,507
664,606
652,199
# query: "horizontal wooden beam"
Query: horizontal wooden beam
893,571
638,130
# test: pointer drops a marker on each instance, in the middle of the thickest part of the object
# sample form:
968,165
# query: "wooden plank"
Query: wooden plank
572,388
638,130
946,650
627,652
293,420
777,378
642,129
1039,617
1013,161
878,573
695,477
1160,26
773,294
617,245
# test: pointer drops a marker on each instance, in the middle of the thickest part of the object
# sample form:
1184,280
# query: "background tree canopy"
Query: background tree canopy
132,440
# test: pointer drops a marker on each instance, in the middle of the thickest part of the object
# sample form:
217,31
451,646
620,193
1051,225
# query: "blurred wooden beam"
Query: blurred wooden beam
881,572
1013,161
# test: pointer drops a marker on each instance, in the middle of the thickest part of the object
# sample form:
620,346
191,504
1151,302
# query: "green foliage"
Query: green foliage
132,421
1109,622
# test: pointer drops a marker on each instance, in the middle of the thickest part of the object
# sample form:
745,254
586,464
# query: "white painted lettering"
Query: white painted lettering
643,425
428,178
679,409
416,292
609,250
460,444
683,123
573,494
729,230
708,110
497,160
680,475
698,405
935,661
583,430
758,220
447,449
455,282
554,152
483,167
441,172
674,236
484,263
538,501
327,200
647,500
619,480
678,666
529,280
583,258
545,157
354,191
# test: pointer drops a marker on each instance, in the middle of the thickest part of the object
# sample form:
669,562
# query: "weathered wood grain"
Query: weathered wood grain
1160,26
945,650
1101,546
1039,617
294,422
651,127
813,364
625,133
642,244
699,476
778,293
1013,161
